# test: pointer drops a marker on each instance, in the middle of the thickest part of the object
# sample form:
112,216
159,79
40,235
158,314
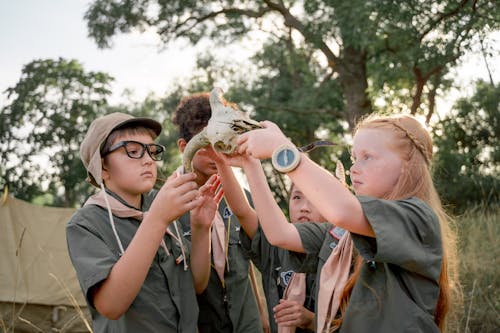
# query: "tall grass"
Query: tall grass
478,249
478,246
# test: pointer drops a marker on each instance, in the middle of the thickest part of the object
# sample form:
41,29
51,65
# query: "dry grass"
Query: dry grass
478,232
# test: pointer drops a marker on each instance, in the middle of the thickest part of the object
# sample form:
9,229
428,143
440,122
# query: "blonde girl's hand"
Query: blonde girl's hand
207,202
175,197
261,143
291,313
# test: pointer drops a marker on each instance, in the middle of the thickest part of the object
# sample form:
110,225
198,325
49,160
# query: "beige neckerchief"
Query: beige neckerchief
218,245
119,209
294,291
333,279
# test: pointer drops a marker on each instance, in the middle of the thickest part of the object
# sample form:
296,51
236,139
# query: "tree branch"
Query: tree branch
292,21
443,17
179,31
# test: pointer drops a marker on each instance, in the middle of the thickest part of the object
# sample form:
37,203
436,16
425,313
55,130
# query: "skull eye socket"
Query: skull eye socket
220,146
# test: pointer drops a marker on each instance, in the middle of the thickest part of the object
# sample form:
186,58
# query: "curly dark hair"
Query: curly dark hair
192,114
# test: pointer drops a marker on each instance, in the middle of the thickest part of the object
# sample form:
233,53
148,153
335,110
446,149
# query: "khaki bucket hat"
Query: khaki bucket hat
99,130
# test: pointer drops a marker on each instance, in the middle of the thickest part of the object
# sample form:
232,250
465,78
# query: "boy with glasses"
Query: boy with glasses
136,271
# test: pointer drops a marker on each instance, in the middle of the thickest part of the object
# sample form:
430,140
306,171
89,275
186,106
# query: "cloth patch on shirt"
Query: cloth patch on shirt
333,244
337,233
227,213
286,276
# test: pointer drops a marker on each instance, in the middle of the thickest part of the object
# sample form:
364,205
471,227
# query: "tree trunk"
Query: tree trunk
352,75
419,88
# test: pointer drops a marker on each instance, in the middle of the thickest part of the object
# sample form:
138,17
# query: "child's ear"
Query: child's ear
104,172
181,143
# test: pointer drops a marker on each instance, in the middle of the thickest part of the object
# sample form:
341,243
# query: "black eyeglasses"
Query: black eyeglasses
136,149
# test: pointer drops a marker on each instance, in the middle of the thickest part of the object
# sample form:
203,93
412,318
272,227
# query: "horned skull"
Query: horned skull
221,131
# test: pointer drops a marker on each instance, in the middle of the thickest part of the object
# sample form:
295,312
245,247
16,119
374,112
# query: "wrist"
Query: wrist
309,321
250,162
286,158
200,227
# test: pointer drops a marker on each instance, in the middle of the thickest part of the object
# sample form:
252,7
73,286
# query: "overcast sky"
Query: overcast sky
40,29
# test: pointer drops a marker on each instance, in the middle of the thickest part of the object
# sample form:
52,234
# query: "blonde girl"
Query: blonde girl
402,282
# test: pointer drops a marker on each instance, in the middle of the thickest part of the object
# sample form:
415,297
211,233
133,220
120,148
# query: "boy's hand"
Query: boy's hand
175,197
207,202
235,159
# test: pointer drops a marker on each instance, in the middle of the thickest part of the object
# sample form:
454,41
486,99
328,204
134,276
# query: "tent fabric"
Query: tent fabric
35,268
35,265
34,318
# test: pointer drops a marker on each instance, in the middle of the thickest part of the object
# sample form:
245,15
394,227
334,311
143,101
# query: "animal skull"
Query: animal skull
221,131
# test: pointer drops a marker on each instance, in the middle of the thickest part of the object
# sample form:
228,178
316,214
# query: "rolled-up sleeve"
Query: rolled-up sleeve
91,257
312,235
407,234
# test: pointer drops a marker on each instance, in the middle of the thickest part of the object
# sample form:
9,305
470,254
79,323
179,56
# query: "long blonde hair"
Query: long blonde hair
414,144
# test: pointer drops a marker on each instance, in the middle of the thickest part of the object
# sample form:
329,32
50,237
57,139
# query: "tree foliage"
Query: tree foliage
467,168
398,51
48,113
320,66
284,89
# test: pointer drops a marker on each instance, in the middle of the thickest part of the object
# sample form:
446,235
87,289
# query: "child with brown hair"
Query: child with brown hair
405,272
228,304
135,269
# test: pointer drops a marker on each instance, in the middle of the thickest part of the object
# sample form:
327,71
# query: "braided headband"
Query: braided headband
415,141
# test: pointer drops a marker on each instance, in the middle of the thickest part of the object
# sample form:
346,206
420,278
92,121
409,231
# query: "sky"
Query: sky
41,29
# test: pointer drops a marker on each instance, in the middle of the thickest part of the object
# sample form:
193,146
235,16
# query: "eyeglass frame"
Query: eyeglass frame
145,147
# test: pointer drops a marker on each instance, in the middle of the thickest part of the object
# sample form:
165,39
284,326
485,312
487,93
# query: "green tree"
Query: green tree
48,113
467,167
287,91
303,109
398,51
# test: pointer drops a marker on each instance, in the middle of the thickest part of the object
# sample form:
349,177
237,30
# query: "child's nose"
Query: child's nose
305,207
146,158
353,168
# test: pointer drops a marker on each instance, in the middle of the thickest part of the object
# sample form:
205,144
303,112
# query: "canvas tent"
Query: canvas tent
39,291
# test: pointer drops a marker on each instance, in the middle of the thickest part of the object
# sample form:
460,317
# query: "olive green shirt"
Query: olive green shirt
318,240
232,308
166,301
398,287
277,268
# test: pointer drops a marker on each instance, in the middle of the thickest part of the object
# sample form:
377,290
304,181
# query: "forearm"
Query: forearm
309,323
200,258
275,225
334,201
115,295
236,199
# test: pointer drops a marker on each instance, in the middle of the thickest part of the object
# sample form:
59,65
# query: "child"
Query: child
228,304
286,291
131,261
395,219
293,296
